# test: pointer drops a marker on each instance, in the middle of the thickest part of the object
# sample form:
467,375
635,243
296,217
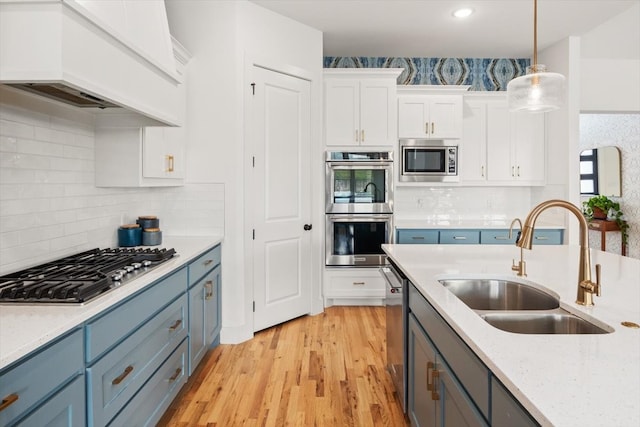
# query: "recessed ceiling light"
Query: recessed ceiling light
462,13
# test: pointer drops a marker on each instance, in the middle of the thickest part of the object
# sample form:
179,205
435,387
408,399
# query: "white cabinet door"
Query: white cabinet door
446,117
430,117
377,112
499,167
163,152
413,117
472,153
528,139
342,111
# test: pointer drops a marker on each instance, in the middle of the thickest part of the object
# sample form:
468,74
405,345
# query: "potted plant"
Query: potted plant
602,207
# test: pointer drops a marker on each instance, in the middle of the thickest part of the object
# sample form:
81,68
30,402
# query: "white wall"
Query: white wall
610,68
49,205
222,36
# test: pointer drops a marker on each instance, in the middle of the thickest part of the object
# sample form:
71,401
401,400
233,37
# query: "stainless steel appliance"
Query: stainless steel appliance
79,278
396,302
425,160
359,182
355,240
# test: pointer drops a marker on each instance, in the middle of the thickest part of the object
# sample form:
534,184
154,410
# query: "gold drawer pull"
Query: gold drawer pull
501,238
433,125
175,375
170,163
208,262
8,401
459,238
417,237
434,391
359,283
541,238
175,325
123,375
430,366
208,285
362,136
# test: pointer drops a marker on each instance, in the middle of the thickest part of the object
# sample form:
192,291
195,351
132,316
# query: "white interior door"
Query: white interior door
282,201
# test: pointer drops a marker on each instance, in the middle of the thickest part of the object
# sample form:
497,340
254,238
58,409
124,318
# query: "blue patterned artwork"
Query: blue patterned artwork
482,74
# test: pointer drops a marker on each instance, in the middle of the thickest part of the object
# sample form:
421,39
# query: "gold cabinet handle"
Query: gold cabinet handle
430,366
358,283
207,262
357,134
482,171
8,401
501,237
435,375
362,135
518,168
426,128
433,129
417,237
175,375
175,325
123,375
208,285
513,171
170,162
459,237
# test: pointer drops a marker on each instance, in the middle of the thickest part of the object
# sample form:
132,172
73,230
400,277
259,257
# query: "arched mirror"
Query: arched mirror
600,172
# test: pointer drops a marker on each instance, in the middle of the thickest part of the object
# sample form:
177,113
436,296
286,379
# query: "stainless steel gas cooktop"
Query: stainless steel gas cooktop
79,278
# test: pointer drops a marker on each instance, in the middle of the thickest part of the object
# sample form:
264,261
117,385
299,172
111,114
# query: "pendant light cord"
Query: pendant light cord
535,35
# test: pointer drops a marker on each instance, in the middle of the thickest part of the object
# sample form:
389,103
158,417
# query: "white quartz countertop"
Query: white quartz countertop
440,223
562,380
24,328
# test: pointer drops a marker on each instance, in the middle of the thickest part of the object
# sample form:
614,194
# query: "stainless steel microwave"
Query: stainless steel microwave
427,160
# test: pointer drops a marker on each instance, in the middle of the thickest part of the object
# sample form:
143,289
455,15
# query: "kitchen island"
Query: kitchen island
561,380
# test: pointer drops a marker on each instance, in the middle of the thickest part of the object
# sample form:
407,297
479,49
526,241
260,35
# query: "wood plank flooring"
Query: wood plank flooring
323,370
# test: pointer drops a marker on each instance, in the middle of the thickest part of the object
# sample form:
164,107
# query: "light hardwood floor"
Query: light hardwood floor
323,370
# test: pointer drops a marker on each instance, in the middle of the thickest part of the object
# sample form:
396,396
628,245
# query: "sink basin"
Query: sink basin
542,323
490,294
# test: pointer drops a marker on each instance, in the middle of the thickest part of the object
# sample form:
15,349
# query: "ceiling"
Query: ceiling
426,28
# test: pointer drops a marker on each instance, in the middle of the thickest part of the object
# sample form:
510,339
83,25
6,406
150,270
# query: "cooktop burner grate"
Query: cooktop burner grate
80,277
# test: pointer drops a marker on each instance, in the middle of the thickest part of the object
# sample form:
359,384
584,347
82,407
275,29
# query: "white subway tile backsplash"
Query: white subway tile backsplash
50,205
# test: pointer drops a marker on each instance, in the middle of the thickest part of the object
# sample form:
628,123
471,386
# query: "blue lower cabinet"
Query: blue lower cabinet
64,408
149,404
540,237
31,383
447,236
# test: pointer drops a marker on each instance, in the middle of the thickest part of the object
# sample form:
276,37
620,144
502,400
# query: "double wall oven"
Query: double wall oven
358,207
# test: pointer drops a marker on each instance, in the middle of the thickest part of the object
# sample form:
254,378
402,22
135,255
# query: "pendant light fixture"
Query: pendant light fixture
538,91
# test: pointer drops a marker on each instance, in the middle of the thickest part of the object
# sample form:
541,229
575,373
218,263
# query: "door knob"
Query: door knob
307,227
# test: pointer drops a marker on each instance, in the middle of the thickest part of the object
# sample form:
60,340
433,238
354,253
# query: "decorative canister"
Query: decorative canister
151,237
129,235
149,221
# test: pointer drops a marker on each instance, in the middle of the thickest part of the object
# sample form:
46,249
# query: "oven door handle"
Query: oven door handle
359,218
392,279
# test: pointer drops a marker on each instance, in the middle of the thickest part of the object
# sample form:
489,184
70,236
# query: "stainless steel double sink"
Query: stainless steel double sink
518,307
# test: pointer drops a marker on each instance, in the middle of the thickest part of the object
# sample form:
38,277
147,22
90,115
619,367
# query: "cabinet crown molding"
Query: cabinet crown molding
432,89
362,72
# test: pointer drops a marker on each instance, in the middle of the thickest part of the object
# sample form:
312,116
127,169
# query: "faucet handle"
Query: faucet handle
598,275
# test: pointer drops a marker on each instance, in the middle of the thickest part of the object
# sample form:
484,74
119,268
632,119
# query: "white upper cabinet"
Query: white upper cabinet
499,147
430,117
360,107
472,153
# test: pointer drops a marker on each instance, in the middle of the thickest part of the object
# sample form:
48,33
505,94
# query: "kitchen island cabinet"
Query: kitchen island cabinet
573,365
490,236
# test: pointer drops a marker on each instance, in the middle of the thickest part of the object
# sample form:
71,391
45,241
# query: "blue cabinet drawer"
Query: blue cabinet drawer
414,236
459,237
106,331
540,237
115,378
548,237
65,408
498,237
468,368
147,407
39,375
203,264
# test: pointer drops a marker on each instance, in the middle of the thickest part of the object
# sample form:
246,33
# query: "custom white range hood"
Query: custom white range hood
105,55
